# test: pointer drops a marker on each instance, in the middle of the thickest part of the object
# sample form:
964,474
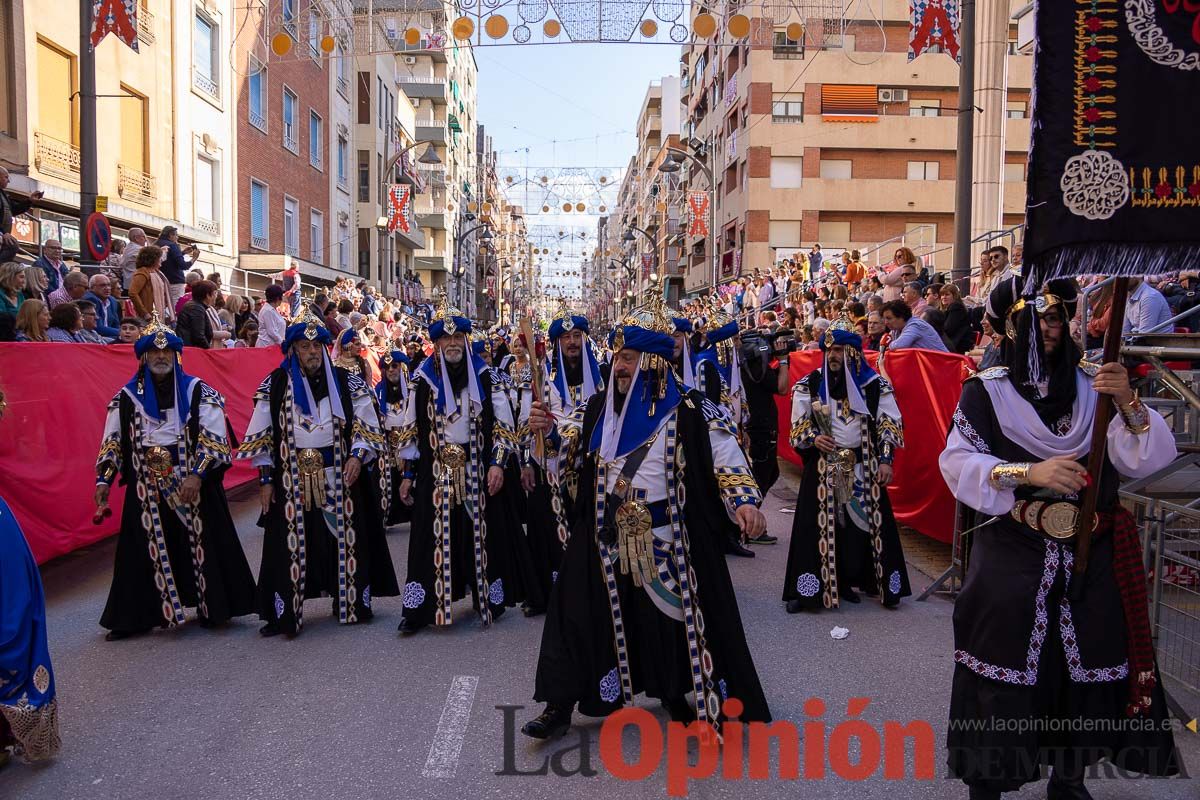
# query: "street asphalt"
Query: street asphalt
358,712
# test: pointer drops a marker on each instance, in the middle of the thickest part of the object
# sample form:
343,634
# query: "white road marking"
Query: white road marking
452,728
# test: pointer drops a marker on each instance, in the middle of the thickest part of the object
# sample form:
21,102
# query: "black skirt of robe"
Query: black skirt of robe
374,576
993,621
504,536
854,554
398,512
542,530
577,650
135,603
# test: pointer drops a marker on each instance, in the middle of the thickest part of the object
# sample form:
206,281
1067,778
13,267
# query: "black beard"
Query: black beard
458,375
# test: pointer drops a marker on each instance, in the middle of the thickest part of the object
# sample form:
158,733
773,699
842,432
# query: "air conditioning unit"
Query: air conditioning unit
893,95
410,59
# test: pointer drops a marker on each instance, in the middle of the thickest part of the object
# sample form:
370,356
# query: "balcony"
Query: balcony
432,260
136,186
423,86
433,176
429,129
343,87
424,47
205,84
145,25
209,226
314,158
290,143
54,157
292,248
258,242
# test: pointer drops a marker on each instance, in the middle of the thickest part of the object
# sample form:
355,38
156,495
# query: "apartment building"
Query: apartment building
166,120
283,111
837,140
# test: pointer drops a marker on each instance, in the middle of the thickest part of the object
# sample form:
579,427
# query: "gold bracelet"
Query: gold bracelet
1009,476
1136,416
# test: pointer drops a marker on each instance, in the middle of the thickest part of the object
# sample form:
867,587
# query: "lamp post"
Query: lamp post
459,267
670,165
629,238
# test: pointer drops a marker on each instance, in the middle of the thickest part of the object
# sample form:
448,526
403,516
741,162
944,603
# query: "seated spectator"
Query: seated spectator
74,287
908,331
903,270
108,309
36,287
768,320
344,309
911,294
247,335
66,321
190,279
88,332
12,287
131,330
33,320
960,336
875,330
194,325
1146,309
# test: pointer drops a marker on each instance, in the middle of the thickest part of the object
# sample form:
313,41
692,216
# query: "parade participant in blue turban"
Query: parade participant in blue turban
639,447
457,437
167,437
28,703
391,394
846,427
313,429
718,371
574,370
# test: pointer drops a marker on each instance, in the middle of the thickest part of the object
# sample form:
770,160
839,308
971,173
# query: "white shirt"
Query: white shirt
1146,309
272,327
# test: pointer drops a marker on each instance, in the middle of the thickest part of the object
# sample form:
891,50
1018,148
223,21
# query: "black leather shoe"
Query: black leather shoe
532,611
736,548
680,710
849,595
270,629
408,627
795,606
766,538
1061,788
116,636
550,724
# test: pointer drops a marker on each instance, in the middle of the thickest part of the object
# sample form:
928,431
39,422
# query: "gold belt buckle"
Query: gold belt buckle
394,438
633,518
310,461
158,461
1060,519
453,456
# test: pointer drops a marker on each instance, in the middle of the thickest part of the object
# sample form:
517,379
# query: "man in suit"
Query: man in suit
10,208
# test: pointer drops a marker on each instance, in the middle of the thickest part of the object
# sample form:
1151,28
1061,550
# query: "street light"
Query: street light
485,237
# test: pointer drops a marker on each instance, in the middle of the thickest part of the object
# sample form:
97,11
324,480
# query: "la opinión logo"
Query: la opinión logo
853,749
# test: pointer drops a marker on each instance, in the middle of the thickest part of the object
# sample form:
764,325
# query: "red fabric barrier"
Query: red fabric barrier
927,385
57,395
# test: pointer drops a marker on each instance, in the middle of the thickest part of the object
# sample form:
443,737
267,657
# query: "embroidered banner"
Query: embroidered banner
647,263
399,207
933,24
697,213
1114,167
118,17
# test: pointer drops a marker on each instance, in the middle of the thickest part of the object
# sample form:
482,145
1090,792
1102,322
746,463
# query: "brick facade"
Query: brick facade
262,156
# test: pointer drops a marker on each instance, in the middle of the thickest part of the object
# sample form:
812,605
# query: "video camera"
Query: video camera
759,347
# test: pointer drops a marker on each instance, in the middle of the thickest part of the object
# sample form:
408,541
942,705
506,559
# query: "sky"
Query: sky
566,105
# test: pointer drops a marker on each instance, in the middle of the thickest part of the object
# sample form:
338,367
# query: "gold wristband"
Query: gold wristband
1009,476
1137,418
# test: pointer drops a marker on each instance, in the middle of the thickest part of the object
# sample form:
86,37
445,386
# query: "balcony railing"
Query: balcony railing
291,248
421,79
314,158
136,186
209,226
258,120
258,242
145,24
429,122
343,87
434,176
205,84
290,143
55,157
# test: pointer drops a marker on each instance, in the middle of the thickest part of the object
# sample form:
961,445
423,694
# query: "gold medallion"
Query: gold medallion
310,461
633,518
1059,519
158,461
453,456
394,438
1032,510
